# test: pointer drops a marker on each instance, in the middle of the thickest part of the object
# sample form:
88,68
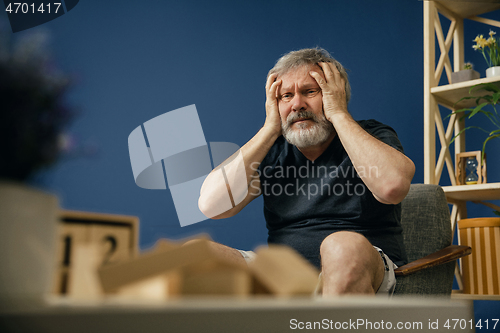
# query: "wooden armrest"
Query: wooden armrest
443,256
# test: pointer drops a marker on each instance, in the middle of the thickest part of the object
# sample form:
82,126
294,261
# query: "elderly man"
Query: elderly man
332,186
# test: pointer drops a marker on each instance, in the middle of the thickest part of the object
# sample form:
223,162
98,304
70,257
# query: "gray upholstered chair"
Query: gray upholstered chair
425,218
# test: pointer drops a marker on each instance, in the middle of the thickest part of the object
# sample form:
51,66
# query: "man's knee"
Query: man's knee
345,245
350,263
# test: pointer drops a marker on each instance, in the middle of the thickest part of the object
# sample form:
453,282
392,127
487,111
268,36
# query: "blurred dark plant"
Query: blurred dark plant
33,108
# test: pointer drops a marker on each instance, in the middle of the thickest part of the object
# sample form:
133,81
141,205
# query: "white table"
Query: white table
236,315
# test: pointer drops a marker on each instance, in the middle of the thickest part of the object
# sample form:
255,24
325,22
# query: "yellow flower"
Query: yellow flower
481,41
490,42
492,55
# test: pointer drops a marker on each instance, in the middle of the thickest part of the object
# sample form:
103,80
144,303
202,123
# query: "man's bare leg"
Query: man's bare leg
350,265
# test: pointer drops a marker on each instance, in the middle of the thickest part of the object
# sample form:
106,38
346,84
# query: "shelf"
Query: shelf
457,294
471,8
449,94
479,192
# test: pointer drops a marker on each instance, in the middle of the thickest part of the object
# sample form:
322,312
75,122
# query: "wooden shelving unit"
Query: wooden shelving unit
447,95
479,192
467,9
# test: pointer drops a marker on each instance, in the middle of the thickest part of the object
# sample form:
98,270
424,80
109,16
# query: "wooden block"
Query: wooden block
154,263
113,242
89,219
167,244
258,288
283,271
70,236
164,245
160,287
115,236
220,281
84,282
216,277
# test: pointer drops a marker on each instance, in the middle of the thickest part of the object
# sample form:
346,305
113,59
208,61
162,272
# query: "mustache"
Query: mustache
301,115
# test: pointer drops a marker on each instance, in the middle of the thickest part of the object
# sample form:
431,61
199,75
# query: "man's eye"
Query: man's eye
286,97
312,92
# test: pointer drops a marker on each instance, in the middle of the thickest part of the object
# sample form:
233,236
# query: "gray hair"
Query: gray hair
304,57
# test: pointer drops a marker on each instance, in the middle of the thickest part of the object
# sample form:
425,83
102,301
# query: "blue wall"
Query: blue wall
135,60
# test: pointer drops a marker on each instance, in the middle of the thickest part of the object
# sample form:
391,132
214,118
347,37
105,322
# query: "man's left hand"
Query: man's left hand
332,86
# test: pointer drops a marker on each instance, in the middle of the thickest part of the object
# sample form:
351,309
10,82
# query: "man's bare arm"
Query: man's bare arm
215,189
394,171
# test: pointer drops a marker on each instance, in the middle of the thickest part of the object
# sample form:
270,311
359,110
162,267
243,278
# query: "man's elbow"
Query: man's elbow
209,209
203,205
396,190
395,194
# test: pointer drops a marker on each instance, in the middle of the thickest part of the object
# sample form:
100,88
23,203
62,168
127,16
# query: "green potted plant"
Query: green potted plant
490,48
466,74
491,96
490,93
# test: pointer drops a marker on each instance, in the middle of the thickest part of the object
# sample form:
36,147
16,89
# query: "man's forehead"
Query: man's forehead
300,74
302,69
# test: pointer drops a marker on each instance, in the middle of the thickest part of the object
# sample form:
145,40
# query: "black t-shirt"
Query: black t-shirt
306,201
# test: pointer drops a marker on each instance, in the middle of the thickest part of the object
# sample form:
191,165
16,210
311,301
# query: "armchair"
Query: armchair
427,236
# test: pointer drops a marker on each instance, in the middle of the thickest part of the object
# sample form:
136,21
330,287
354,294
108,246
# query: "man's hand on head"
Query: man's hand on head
273,121
332,86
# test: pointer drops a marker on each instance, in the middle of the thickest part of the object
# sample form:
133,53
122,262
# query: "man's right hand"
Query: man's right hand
273,120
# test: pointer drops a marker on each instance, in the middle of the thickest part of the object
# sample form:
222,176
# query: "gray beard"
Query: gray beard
307,137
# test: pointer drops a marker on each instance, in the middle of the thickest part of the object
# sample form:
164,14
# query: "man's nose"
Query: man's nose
298,102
